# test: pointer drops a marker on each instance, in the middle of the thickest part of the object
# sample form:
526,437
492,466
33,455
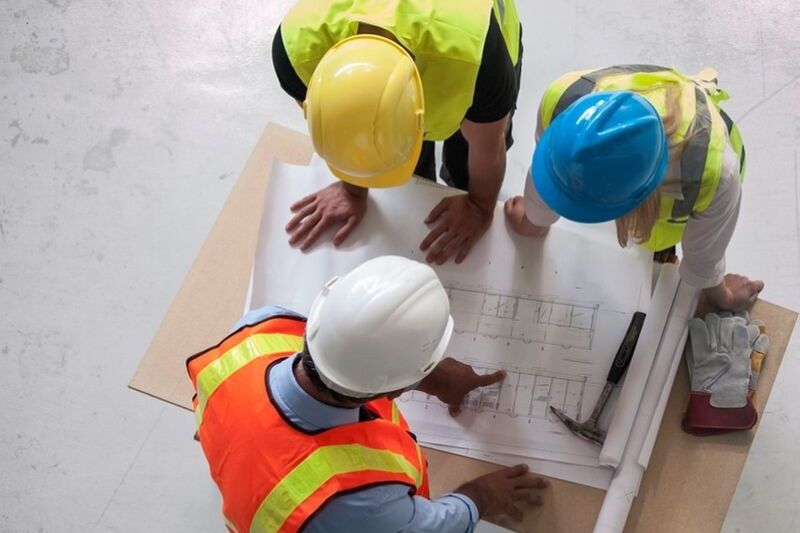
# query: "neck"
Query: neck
309,388
375,30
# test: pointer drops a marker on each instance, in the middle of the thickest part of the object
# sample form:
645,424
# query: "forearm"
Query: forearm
538,215
486,160
486,172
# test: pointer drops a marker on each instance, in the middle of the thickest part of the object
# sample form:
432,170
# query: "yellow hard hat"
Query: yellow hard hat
365,111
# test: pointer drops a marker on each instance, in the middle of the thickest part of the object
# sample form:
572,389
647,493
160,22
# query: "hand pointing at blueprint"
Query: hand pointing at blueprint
451,381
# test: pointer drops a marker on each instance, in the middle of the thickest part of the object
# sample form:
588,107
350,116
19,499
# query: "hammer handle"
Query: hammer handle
625,351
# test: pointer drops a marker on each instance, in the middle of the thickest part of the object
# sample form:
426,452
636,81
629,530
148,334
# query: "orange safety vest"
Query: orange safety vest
274,476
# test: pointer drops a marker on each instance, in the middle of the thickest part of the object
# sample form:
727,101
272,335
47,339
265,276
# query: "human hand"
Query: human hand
338,203
496,493
452,380
735,293
514,208
461,222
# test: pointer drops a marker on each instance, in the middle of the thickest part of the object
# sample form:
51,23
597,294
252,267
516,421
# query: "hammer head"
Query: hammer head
585,430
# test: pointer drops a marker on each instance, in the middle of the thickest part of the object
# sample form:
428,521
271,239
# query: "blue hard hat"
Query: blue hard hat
601,157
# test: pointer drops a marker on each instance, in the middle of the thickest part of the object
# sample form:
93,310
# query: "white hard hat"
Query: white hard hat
380,328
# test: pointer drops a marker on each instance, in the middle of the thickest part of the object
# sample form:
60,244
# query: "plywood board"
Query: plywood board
689,484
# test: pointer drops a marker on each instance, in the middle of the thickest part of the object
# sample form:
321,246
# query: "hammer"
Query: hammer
589,429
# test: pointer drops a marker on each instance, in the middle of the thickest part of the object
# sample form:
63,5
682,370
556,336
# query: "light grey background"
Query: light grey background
124,126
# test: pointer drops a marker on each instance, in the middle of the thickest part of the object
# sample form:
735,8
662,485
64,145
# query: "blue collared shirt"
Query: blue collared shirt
385,508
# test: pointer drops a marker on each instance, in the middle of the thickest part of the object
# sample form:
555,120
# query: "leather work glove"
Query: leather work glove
724,358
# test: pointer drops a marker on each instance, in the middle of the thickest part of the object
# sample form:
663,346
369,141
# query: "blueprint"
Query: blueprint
523,394
550,311
598,477
523,318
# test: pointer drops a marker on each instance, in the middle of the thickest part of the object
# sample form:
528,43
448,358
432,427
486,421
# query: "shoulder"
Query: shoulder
496,85
285,72
263,313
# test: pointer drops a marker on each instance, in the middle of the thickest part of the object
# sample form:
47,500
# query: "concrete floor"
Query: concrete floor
124,126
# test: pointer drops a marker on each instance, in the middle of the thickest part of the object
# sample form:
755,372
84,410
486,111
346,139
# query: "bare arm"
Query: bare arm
486,161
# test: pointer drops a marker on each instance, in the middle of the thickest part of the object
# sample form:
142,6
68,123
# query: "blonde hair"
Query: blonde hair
637,225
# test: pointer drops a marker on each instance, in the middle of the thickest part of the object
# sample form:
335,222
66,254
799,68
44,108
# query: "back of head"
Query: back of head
365,111
601,157
381,328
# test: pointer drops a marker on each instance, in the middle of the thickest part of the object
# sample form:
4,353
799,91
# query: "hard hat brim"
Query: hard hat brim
394,178
571,206
438,353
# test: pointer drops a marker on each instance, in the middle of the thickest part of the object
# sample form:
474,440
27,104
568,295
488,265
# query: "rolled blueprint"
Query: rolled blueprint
686,300
655,424
628,476
627,405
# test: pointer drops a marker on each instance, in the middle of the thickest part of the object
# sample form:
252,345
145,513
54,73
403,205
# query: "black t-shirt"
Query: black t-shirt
496,87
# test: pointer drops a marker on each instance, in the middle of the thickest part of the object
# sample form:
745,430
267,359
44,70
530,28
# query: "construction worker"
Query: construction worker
649,148
379,82
297,418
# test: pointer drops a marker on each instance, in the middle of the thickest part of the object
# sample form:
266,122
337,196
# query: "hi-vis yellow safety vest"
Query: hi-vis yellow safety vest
704,130
446,38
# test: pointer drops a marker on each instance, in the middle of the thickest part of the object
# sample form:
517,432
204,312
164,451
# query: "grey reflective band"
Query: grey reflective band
693,158
729,125
501,9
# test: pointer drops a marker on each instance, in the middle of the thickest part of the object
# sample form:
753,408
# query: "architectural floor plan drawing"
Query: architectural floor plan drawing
523,318
512,417
525,305
525,394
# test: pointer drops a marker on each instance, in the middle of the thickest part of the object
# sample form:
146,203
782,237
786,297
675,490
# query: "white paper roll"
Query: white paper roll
625,484
685,302
627,405
619,498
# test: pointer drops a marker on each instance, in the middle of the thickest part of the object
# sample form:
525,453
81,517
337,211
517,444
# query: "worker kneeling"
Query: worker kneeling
298,423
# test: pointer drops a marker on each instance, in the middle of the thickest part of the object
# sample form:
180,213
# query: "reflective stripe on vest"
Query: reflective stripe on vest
212,376
273,477
445,37
704,132
707,79
315,470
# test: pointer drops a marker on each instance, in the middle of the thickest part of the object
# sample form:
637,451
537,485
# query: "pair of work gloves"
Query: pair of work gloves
724,358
